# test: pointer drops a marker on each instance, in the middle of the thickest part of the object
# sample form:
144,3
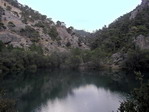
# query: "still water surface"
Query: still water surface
68,91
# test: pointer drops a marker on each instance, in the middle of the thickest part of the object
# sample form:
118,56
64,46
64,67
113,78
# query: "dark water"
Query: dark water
68,91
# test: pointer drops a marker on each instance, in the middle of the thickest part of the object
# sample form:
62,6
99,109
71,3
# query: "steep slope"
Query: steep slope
21,27
123,44
126,35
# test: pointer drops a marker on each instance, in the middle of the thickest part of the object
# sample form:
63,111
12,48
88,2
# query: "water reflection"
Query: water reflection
87,98
67,91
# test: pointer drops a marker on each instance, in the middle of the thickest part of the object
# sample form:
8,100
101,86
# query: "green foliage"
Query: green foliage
2,26
68,44
55,60
11,24
70,30
120,33
31,33
40,24
29,14
74,61
1,13
6,105
53,33
139,99
16,59
36,48
91,59
2,45
137,60
24,21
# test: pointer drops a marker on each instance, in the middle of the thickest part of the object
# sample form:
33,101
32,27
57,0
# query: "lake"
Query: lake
68,91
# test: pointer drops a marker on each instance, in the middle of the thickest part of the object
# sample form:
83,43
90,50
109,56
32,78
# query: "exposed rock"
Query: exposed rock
12,34
4,4
15,40
134,13
7,38
66,37
145,3
117,60
142,42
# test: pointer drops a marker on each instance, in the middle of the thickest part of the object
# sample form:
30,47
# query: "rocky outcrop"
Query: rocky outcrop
134,13
117,60
17,24
142,42
7,38
14,39
145,3
10,17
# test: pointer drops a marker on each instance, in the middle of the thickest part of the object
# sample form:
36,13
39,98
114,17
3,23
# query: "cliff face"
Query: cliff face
126,34
144,4
21,27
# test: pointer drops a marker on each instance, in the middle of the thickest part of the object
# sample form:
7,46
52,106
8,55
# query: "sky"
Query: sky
88,15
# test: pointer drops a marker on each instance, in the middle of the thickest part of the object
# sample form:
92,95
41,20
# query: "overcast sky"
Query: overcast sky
88,15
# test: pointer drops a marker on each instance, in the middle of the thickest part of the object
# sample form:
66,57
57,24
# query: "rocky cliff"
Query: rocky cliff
126,38
21,26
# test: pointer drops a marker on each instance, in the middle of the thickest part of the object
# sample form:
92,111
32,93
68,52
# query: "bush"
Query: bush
36,48
137,60
2,45
11,24
2,26
53,33
139,99
31,33
40,24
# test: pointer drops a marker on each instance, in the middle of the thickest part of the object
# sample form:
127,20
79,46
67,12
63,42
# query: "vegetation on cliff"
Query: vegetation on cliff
138,101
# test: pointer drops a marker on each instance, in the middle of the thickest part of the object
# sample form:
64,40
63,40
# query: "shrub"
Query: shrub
40,24
36,48
139,99
8,8
137,60
31,33
2,26
2,45
53,33
11,24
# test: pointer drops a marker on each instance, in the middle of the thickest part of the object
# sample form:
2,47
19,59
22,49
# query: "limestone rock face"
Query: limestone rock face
142,42
117,60
145,3
16,23
134,13
14,39
67,38
7,38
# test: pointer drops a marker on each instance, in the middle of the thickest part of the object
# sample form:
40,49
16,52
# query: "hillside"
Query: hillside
126,39
22,26
30,40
